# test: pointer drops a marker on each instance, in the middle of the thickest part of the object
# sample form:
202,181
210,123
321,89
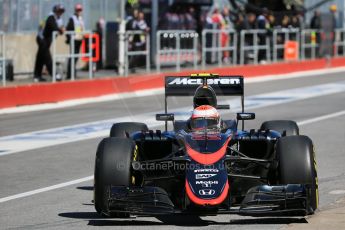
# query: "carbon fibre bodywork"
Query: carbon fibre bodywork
208,172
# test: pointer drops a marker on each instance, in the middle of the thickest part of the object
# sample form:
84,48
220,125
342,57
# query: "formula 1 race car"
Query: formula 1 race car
205,165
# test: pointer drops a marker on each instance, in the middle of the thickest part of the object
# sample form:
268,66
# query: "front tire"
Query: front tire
297,165
112,167
282,126
120,129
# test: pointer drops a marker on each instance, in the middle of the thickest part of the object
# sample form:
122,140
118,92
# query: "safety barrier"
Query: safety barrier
339,42
3,58
181,47
136,48
260,42
279,39
71,53
176,47
221,43
310,43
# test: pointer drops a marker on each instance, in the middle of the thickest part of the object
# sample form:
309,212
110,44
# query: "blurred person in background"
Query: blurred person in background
301,21
271,20
130,25
217,19
218,22
263,23
285,23
44,39
315,22
225,37
190,21
251,20
242,23
75,24
333,10
295,22
248,23
139,41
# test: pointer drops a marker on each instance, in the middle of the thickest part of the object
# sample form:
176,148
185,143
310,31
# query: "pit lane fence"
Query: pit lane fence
219,46
181,47
137,48
59,58
177,48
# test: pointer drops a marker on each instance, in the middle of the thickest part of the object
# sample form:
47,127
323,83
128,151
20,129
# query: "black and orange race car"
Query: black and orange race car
205,165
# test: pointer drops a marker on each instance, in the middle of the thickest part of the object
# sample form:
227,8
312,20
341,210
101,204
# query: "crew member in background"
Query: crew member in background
139,41
263,24
76,24
315,35
131,26
44,39
225,37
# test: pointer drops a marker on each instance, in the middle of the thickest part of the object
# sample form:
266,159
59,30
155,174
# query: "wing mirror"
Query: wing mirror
165,117
245,116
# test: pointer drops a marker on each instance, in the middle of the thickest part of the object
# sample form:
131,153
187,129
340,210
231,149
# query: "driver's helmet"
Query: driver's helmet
205,117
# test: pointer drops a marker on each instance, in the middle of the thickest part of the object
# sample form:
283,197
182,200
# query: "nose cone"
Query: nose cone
207,184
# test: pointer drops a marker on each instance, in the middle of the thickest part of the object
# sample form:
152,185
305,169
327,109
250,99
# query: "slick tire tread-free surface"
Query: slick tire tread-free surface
120,129
112,167
290,127
297,165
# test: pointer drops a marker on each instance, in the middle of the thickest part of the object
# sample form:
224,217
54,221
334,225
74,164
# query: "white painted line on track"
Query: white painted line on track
73,182
320,118
45,189
159,91
325,117
337,192
299,74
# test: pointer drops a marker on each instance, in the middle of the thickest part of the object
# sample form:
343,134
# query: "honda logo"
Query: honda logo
207,192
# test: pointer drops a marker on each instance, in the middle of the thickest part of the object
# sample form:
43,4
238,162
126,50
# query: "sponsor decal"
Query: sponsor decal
206,170
218,81
203,176
207,192
206,184
243,115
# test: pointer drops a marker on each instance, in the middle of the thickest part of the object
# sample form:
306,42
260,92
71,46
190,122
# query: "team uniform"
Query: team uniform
44,40
76,24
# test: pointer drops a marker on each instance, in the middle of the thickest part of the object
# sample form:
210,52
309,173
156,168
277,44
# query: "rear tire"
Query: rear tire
112,167
280,126
297,165
120,129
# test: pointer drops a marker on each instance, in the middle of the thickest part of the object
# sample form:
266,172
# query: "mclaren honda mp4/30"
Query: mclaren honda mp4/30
206,165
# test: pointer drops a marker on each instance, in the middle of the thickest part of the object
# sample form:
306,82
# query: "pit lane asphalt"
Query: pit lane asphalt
70,207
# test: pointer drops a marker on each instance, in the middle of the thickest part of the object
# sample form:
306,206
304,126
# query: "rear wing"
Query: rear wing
186,85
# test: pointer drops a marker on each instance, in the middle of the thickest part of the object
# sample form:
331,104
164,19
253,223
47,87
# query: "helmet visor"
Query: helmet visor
204,123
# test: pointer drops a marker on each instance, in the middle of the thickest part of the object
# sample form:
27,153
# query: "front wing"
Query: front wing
264,200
